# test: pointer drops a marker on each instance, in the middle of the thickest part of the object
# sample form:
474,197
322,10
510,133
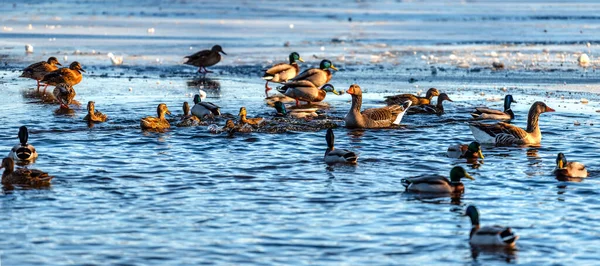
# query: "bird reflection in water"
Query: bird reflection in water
204,83
501,253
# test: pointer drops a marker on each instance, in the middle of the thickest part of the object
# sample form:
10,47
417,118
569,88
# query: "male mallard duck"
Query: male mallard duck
64,94
473,150
416,100
188,120
282,72
489,235
305,91
374,117
71,76
437,183
437,109
569,169
251,121
202,108
503,134
295,113
333,155
23,152
159,122
205,58
317,76
38,70
484,113
94,115
22,176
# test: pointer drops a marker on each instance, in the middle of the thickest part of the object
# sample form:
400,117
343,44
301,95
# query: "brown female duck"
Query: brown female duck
252,121
22,176
317,76
282,72
205,58
94,115
188,120
71,75
64,94
416,100
437,109
374,117
159,122
38,70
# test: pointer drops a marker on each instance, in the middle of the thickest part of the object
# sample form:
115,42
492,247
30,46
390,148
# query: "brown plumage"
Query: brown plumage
304,90
159,122
374,117
205,58
93,115
437,109
244,120
282,72
416,100
22,176
188,120
64,94
71,76
317,76
38,70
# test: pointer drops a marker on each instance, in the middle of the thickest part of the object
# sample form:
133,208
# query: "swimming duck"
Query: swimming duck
22,176
489,235
250,121
317,76
333,156
38,70
202,108
295,113
416,100
71,76
484,113
473,150
282,72
437,183
373,117
205,58
159,122
23,152
437,109
569,169
188,120
64,93
304,90
94,115
504,134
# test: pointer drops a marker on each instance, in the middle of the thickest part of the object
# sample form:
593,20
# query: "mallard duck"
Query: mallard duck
22,176
94,115
305,91
473,150
205,58
23,152
416,100
569,169
64,94
504,134
202,108
250,121
437,109
188,120
374,117
282,72
295,113
484,113
71,76
489,235
333,155
38,70
159,122
317,76
438,184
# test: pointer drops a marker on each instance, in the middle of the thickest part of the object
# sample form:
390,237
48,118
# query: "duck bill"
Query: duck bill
168,112
300,59
82,70
548,109
480,154
58,63
560,164
333,67
467,175
223,53
336,92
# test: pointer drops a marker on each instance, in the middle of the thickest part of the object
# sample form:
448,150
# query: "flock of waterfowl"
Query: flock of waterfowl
309,86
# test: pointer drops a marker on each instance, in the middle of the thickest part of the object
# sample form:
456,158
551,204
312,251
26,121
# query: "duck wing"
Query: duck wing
32,176
400,98
201,55
213,108
485,110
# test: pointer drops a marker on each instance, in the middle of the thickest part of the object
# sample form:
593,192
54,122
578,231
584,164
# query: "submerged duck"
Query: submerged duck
484,113
282,72
202,108
437,109
504,134
416,100
437,183
64,94
473,150
569,169
71,76
250,121
489,235
305,91
159,122
205,58
22,176
373,117
317,76
333,155
38,70
295,113
188,120
23,152
94,115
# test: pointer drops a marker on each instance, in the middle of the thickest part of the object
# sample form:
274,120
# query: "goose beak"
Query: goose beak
467,175
548,109
300,59
350,90
333,67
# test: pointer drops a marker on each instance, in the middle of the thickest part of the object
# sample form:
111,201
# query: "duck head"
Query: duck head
354,90
280,108
8,164
76,66
229,124
457,173
432,92
326,64
295,57
197,99
444,97
217,48
23,135
53,61
242,112
329,88
186,108
162,109
91,106
473,213
475,148
508,99
561,161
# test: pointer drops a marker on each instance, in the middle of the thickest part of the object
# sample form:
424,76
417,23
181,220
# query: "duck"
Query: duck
504,134
438,183
251,121
202,108
23,152
304,113
64,94
205,58
317,76
282,72
499,236
71,76
484,113
22,176
437,109
159,122
94,115
333,155
38,70
471,151
374,117
569,169
416,100
304,90
228,127
188,120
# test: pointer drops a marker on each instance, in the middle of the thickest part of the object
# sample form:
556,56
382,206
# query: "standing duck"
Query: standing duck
484,113
64,94
569,169
374,117
496,235
22,176
282,72
471,151
437,109
94,115
251,121
304,90
333,156
416,100
159,122
438,183
202,108
504,134
205,58
71,76
23,152
188,120
317,76
38,70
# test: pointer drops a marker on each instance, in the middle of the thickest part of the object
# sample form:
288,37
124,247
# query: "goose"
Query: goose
374,117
